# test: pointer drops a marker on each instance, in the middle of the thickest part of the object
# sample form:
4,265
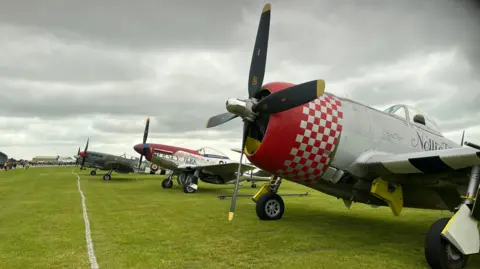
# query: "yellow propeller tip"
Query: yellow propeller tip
230,216
320,87
266,8
148,118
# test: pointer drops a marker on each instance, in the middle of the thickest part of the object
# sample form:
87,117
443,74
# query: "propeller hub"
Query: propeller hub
241,108
139,148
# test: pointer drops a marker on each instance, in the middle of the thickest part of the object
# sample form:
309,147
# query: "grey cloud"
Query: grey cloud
146,24
348,34
448,93
460,123
178,62
44,57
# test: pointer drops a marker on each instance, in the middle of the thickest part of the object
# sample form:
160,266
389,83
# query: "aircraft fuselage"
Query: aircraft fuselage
327,140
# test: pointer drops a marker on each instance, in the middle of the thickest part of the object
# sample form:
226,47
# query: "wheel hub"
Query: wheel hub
452,253
272,208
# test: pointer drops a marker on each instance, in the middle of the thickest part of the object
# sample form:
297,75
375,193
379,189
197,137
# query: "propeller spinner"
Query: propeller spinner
252,108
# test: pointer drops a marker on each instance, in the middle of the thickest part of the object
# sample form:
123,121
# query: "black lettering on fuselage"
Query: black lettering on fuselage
427,144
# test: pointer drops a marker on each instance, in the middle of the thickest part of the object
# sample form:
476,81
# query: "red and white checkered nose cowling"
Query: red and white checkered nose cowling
300,143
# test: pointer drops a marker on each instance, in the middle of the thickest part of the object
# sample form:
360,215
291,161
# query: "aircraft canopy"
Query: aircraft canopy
414,115
210,152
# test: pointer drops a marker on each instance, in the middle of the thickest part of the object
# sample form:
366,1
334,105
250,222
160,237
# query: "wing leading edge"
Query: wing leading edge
425,162
224,169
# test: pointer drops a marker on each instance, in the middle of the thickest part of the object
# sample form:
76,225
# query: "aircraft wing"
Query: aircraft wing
445,162
222,169
119,167
262,173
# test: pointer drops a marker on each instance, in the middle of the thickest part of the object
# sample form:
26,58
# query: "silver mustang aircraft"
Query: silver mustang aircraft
396,158
206,164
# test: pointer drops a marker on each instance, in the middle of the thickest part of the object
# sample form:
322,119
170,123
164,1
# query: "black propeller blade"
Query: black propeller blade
85,155
290,97
463,136
259,55
246,128
252,109
255,82
220,119
145,136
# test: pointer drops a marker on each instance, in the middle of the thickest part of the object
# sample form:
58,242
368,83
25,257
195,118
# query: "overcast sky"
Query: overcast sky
70,70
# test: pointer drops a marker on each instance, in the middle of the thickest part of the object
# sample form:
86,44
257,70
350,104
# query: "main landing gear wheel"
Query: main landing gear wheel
270,206
181,178
188,189
167,183
93,172
186,186
106,177
254,185
440,254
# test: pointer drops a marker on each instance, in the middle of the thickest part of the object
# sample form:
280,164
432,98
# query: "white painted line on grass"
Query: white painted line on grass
88,237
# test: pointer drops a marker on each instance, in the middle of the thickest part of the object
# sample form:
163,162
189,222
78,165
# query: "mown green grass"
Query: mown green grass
137,224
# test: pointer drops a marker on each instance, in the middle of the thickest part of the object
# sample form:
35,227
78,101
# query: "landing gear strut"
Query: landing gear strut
93,172
107,176
450,241
168,182
270,205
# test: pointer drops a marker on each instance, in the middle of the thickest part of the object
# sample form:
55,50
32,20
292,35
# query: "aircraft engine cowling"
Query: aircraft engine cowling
299,143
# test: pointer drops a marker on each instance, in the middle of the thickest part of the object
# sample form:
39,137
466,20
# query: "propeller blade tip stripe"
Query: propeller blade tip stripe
148,118
320,87
230,216
266,8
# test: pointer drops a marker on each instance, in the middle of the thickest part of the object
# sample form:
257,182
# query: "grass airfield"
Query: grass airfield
137,224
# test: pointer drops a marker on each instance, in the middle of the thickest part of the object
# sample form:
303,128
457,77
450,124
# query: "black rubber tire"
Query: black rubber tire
262,203
436,249
188,181
93,172
163,172
107,177
182,177
167,183
254,185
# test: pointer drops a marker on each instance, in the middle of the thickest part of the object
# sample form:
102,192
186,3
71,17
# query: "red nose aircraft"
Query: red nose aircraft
206,164
396,157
